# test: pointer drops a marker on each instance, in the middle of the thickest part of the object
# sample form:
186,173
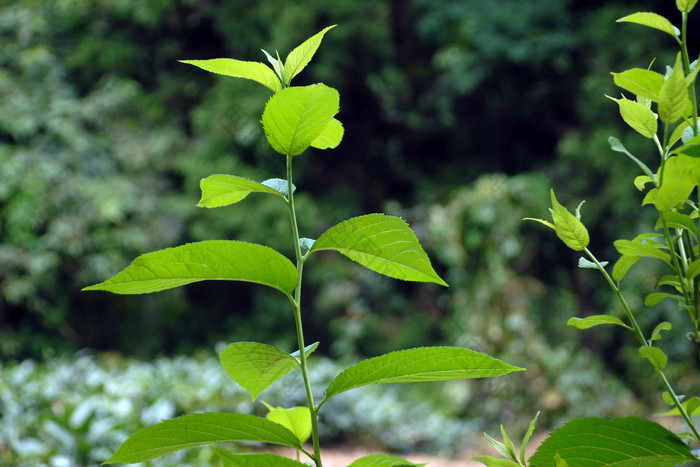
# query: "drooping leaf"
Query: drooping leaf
255,366
308,350
209,260
295,117
641,180
652,20
256,71
569,229
623,265
655,298
627,442
382,460
199,429
673,96
641,82
655,355
685,6
637,248
663,326
297,420
330,137
302,54
596,320
223,190
669,279
229,459
419,365
638,116
616,145
384,244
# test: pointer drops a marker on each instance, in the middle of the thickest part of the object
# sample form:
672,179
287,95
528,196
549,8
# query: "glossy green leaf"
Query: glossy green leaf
616,145
223,190
638,116
210,260
623,265
384,244
596,320
676,182
652,20
495,461
295,117
419,365
685,6
569,229
302,54
199,429
330,137
657,297
663,326
655,355
637,248
673,96
382,460
256,71
641,82
624,442
255,366
297,420
229,459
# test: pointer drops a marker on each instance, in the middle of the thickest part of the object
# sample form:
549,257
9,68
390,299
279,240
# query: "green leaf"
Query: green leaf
495,461
616,145
583,263
656,356
526,438
295,117
624,442
689,148
663,326
382,460
255,366
297,420
668,279
210,260
652,20
280,185
501,448
623,265
198,429
419,365
302,54
638,116
255,460
384,244
330,137
693,270
223,190
559,462
655,298
256,71
678,132
676,182
677,220
276,65
685,6
637,248
641,181
308,350
508,445
596,320
569,229
673,96
641,82
691,406
541,221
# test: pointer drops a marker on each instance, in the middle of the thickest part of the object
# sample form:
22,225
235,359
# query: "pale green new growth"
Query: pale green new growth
638,116
568,227
641,82
686,6
673,96
302,55
255,71
330,137
384,244
223,190
596,320
652,20
297,420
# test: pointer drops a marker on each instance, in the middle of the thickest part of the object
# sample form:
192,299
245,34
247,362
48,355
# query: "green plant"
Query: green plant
674,242
295,118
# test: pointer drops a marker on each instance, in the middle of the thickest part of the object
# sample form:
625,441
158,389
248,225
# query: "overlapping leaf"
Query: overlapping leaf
638,116
223,190
297,420
330,137
255,71
568,227
673,96
199,429
419,365
384,244
208,260
641,82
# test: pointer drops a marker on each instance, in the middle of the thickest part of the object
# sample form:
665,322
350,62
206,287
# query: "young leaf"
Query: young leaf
559,462
419,365
656,356
591,442
637,248
676,183
198,429
617,146
382,460
677,220
295,117
509,445
652,20
501,448
384,244
276,65
583,263
495,461
302,55
596,320
569,229
255,366
623,265
692,407
256,71
663,326
223,190
655,298
526,438
308,350
297,420
209,260
678,132
280,185
639,117
673,96
330,137
685,6
255,460
641,82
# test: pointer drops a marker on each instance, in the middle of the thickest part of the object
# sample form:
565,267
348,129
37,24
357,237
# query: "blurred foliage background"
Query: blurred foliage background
459,115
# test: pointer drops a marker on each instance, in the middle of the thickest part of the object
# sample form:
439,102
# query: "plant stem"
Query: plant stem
638,332
296,302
